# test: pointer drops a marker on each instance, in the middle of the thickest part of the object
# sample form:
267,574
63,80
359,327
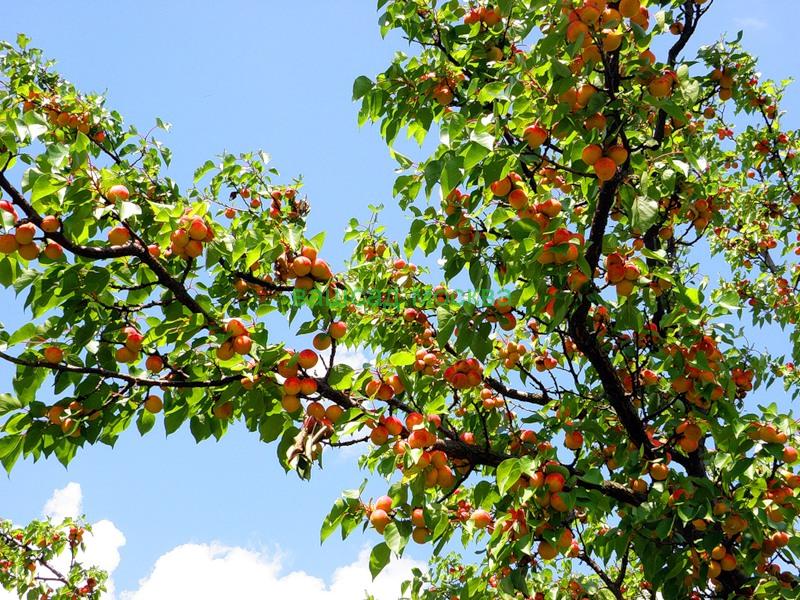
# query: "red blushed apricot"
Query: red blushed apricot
50,224
535,136
605,169
53,354
118,192
24,233
53,251
591,154
119,236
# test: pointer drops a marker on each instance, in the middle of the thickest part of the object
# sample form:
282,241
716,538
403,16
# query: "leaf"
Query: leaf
331,522
341,377
128,210
9,403
378,559
447,323
644,212
43,187
394,539
508,473
145,421
361,86
731,301
201,171
402,359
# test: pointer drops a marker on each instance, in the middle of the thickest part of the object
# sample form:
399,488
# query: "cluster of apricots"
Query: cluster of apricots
22,240
502,188
561,247
187,241
488,15
384,389
724,77
131,345
306,268
701,386
604,162
621,273
442,89
61,116
67,417
490,400
464,374
427,360
501,312
544,362
701,212
688,436
598,25
455,204
238,342
327,415
373,251
541,212
510,353
432,466
380,514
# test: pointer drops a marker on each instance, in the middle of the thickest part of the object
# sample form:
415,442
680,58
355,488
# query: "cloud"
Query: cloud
64,503
102,544
212,571
354,358
751,23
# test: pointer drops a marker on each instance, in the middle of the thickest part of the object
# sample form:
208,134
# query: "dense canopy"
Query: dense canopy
566,387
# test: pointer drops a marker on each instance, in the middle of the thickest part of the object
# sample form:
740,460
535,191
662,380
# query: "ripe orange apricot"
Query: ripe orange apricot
53,251
119,236
118,192
8,244
50,224
24,233
153,404
605,169
53,354
546,550
591,154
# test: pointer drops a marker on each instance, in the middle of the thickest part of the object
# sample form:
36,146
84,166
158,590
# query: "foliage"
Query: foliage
587,403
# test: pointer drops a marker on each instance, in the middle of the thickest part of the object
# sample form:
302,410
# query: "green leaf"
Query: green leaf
341,377
128,210
378,559
331,522
361,86
402,359
145,421
508,473
394,539
644,212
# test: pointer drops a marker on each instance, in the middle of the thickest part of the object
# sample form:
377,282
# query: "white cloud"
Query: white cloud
751,23
212,571
64,503
344,356
102,544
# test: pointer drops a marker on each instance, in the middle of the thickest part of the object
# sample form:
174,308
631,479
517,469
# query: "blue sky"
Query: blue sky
237,76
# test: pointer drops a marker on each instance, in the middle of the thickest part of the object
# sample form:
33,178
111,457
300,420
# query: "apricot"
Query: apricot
118,192
153,404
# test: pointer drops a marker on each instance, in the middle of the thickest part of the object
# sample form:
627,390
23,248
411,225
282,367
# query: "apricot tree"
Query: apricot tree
586,416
